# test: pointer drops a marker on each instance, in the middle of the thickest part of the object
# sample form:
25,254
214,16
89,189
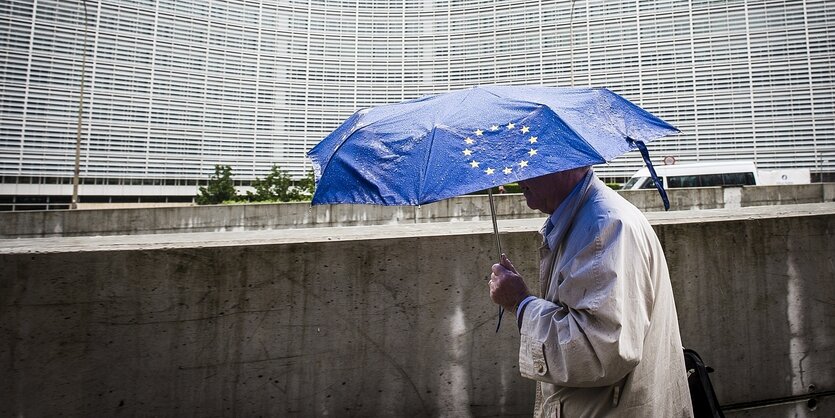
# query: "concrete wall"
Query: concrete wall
382,320
250,217
297,215
732,197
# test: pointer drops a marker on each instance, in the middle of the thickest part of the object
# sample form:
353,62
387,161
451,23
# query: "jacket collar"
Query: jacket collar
563,216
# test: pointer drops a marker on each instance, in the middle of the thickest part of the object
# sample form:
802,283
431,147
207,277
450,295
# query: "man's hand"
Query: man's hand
506,285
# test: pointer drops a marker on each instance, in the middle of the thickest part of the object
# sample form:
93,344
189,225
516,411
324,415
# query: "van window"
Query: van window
738,179
631,183
648,184
710,180
683,181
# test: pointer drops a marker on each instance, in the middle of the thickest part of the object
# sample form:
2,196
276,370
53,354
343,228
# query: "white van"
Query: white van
721,173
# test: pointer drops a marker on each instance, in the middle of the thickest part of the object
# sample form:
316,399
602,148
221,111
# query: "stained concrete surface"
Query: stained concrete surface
251,217
381,320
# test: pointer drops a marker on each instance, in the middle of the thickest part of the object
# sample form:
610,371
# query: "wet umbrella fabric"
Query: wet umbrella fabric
437,147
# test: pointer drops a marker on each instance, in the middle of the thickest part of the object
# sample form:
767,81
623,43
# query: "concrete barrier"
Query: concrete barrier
248,217
383,320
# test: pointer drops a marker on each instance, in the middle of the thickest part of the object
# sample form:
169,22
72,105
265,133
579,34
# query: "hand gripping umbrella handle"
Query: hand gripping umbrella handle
498,246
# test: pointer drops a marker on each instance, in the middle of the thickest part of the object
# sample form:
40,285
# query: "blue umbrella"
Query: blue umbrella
436,147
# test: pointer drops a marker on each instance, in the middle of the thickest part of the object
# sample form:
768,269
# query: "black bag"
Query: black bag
705,404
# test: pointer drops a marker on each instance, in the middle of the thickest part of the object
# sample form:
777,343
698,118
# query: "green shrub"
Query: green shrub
219,189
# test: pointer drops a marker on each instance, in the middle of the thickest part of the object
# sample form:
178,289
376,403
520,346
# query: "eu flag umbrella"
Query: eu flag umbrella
436,147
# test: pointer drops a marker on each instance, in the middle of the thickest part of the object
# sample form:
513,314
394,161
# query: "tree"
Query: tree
276,187
307,185
219,189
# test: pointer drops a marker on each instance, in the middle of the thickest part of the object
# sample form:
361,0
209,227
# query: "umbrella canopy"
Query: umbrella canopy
441,146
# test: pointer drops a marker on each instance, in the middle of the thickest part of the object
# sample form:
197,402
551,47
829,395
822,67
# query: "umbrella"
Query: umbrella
436,147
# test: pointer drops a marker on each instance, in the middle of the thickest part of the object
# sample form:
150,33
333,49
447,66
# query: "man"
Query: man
603,339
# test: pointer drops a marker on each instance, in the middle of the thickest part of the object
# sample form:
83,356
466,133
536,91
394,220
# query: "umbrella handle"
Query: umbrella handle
495,225
498,246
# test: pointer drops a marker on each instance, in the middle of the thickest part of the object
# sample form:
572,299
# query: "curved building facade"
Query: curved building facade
174,87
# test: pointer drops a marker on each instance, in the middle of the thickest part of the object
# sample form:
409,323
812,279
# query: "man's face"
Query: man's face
546,193
539,194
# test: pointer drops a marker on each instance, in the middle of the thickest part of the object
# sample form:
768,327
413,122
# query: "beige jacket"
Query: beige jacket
604,340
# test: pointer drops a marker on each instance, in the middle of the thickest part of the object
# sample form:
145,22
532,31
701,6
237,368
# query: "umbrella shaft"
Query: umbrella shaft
495,225
498,246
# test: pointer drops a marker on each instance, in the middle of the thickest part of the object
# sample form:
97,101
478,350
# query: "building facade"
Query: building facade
172,88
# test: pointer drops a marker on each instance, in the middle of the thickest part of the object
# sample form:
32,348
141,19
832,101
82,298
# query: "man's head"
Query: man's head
545,193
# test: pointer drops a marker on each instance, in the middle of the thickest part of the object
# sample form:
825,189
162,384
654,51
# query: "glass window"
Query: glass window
710,180
738,179
683,181
649,184
631,183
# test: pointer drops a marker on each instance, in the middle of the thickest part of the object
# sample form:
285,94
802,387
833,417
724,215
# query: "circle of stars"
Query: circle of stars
524,130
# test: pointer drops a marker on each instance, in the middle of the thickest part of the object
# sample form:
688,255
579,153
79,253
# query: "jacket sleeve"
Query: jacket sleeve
593,335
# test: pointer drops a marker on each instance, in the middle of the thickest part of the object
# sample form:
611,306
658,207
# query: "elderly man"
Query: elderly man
603,338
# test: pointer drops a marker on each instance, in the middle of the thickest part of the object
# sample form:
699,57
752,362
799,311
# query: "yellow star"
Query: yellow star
479,132
468,140
507,170
525,129
523,163
494,128
467,152
532,152
474,164
533,139
511,125
489,171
